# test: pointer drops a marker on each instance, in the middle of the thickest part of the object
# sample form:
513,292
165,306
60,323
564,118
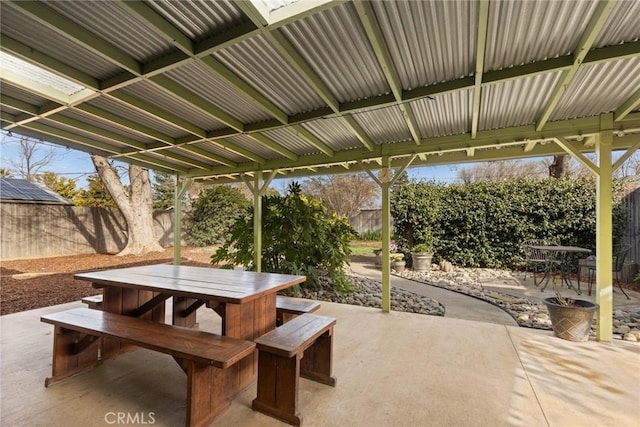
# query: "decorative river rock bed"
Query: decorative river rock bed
467,281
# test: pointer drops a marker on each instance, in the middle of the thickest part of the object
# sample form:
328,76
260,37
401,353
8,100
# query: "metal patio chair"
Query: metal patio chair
619,256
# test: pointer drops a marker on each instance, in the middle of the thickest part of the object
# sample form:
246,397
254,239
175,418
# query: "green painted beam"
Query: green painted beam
251,11
625,156
125,123
305,71
160,25
57,22
309,137
100,132
154,162
274,146
209,156
33,56
261,100
17,104
166,63
236,34
376,39
60,133
575,153
61,141
595,25
481,43
185,94
627,107
152,110
351,123
240,151
566,128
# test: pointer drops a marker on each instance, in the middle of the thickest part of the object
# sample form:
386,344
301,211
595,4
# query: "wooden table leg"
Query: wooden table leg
183,311
125,301
248,321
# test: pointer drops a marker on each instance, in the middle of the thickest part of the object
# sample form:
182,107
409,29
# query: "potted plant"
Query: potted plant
421,256
397,262
570,318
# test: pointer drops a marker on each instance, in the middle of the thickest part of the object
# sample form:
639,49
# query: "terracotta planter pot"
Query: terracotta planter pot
572,322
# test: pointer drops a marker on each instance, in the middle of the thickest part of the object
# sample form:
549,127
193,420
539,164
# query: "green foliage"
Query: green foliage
96,195
483,224
298,237
163,190
422,248
375,235
214,214
6,173
65,187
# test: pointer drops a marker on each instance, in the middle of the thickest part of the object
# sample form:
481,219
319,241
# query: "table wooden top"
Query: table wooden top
203,283
560,248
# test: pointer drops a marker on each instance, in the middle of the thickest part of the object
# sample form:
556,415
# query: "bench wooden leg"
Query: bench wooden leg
73,353
207,393
318,359
278,383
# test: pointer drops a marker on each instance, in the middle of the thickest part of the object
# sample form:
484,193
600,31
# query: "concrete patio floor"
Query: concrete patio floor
393,369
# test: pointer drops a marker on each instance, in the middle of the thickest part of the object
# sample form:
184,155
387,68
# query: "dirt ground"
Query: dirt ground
33,283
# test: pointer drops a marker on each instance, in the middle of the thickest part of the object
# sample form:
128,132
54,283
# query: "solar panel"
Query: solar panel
12,189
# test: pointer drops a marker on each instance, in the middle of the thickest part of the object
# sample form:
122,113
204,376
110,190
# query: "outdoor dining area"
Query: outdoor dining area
392,368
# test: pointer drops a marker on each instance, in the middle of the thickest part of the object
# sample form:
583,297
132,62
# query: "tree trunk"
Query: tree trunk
560,166
136,206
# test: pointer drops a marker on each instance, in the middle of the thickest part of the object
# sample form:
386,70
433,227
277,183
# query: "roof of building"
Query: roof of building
223,89
13,190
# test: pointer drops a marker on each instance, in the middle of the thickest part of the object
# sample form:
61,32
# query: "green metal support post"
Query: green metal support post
604,230
179,189
257,222
385,183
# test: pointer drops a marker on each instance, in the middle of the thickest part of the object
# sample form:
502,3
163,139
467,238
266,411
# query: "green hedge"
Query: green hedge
483,224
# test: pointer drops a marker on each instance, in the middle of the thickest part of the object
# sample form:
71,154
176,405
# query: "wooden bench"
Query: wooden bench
301,347
288,308
94,301
204,357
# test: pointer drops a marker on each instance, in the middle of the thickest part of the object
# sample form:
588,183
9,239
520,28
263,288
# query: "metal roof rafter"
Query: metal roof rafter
182,42
518,135
61,25
598,20
293,58
627,107
376,39
481,43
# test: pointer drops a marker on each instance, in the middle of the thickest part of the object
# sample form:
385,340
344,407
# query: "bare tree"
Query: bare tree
344,194
32,157
498,171
560,166
136,205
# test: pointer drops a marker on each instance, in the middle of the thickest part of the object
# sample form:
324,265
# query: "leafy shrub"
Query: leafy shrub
214,213
483,224
298,237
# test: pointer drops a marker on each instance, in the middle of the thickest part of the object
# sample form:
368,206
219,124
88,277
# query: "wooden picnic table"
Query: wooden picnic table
245,300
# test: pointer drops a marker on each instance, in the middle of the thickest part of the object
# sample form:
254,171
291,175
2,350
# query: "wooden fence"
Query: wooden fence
38,230
367,220
632,233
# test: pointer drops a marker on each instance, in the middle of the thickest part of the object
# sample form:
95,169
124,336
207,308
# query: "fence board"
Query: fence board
39,230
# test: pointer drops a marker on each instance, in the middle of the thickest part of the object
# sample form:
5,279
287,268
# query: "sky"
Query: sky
77,165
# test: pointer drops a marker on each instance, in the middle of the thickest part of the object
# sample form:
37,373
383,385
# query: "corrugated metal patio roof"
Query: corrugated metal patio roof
212,90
